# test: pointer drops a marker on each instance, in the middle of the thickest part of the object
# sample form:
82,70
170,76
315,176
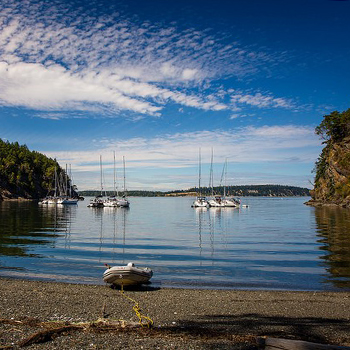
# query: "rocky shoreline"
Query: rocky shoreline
320,203
183,318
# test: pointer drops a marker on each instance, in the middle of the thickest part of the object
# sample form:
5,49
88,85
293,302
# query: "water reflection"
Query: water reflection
333,226
23,226
213,222
260,247
114,233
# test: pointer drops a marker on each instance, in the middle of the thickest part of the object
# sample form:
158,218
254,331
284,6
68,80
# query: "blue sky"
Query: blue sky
155,80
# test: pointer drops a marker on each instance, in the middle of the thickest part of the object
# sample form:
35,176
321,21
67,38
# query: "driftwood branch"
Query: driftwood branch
51,330
288,344
47,335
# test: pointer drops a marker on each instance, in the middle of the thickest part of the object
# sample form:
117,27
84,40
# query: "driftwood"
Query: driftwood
51,330
288,344
47,335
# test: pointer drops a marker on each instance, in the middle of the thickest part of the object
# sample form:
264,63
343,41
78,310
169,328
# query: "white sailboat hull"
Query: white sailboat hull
123,203
223,203
200,203
231,203
67,201
111,202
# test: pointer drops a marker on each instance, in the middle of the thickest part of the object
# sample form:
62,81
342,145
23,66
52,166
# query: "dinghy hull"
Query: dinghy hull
127,275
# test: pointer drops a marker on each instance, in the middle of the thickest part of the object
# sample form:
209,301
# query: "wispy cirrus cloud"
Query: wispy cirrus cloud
260,100
54,56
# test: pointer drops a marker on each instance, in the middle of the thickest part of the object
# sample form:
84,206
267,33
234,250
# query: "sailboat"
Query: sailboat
123,202
52,199
97,202
112,201
215,200
228,201
200,201
222,201
67,198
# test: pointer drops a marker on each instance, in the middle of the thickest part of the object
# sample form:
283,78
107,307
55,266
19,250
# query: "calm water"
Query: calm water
273,244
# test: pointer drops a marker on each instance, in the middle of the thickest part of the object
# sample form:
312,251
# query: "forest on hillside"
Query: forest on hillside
24,173
244,190
332,168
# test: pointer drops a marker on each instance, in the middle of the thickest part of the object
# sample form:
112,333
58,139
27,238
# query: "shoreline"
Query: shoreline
183,318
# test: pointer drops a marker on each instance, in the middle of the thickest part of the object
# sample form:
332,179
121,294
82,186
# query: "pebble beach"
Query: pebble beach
182,318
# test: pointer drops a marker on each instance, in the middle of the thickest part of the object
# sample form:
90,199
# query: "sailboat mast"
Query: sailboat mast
211,173
55,182
114,173
199,174
66,189
101,175
225,178
70,180
124,175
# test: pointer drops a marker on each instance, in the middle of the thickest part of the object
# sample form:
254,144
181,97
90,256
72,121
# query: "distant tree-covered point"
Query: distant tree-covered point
24,173
238,191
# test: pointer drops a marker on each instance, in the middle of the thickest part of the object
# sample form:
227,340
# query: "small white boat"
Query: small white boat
111,202
68,200
216,201
127,275
200,202
96,202
123,202
231,202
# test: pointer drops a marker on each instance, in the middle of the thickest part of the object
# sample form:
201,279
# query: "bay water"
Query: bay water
274,243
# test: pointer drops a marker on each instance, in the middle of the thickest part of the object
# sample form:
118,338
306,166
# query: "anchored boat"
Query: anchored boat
127,275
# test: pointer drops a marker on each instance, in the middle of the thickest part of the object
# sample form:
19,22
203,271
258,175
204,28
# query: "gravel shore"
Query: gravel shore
183,318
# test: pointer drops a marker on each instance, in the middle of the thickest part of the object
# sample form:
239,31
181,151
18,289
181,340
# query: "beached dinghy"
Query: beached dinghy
127,275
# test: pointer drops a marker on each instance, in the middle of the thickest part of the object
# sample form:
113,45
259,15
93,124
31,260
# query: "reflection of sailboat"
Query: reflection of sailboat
129,274
200,213
200,201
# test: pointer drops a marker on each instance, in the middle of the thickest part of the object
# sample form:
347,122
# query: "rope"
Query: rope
148,321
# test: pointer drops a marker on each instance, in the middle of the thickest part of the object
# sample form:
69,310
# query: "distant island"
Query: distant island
25,174
332,168
238,191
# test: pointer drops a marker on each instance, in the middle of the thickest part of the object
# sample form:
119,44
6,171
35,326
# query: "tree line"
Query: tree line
334,130
25,173
244,190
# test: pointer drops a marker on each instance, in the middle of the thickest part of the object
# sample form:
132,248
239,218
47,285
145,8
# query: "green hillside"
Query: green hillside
332,169
24,173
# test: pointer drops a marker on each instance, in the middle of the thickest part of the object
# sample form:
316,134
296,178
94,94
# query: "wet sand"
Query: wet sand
183,318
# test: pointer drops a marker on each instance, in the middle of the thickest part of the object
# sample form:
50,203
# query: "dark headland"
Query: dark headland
332,169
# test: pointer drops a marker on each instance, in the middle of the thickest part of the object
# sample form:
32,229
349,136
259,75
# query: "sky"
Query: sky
155,81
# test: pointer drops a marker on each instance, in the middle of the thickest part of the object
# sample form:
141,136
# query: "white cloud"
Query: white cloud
54,57
260,100
289,144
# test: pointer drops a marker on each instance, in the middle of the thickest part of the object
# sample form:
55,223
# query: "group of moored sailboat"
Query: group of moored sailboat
214,200
112,201
64,191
